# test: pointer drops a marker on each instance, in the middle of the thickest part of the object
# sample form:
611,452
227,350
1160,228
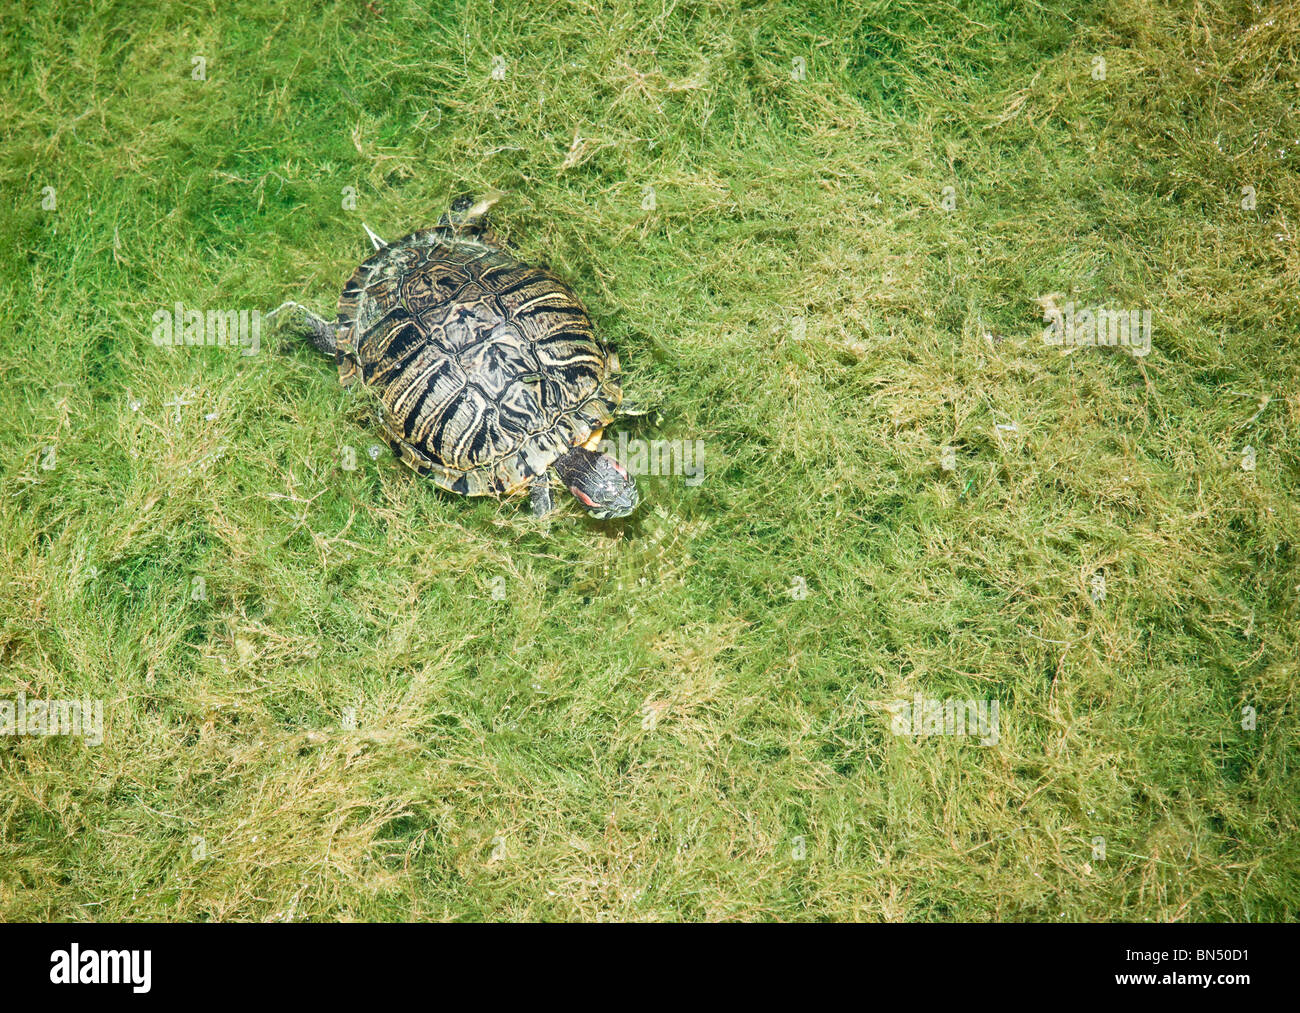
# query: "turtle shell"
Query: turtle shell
486,369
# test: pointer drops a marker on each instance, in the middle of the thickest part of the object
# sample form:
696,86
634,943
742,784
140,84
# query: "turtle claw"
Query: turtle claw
379,243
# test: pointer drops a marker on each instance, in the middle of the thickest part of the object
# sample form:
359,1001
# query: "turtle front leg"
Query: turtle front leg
323,333
540,493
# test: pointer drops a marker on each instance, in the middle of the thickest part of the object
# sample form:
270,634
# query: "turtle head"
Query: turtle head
599,482
467,212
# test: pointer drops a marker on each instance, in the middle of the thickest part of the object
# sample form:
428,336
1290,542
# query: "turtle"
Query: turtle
488,372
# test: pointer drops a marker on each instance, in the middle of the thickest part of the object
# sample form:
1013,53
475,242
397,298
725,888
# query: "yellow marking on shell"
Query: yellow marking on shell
594,442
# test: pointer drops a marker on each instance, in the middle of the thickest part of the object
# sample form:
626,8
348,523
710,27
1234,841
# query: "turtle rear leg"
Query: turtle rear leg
323,333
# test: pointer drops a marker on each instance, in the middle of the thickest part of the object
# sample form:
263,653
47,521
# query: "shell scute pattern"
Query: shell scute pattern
486,369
